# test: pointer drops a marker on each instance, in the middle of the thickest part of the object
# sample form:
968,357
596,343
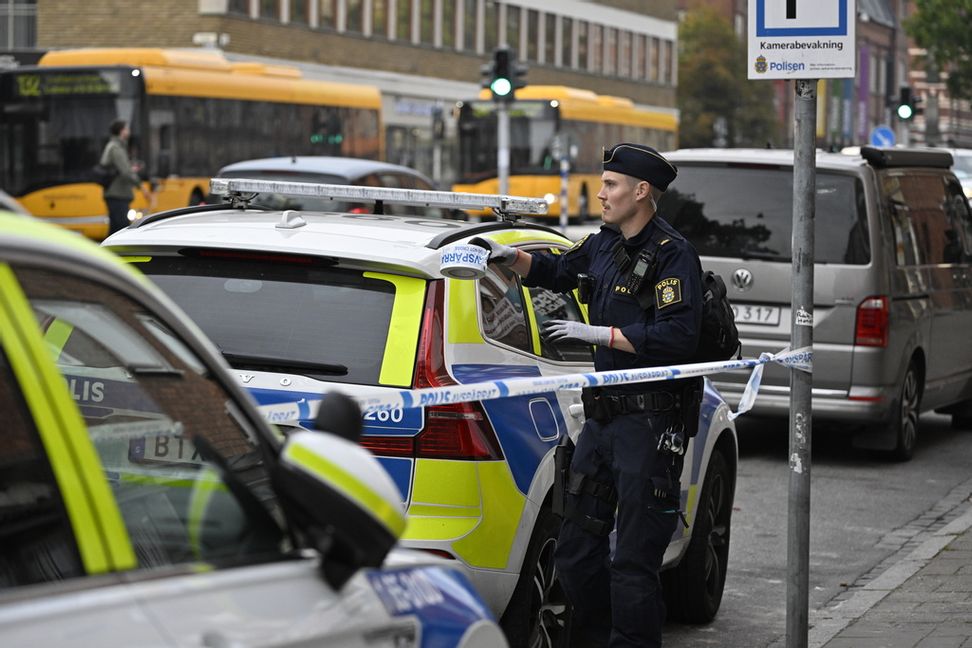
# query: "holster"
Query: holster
691,404
562,457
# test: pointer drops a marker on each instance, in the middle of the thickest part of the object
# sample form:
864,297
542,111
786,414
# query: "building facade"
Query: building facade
424,54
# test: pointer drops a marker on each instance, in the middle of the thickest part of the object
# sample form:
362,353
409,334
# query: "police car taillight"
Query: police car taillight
459,431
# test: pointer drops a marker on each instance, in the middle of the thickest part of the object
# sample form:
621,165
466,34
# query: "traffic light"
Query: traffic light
504,74
906,104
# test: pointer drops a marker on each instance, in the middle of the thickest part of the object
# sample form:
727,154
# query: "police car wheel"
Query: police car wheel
537,615
693,590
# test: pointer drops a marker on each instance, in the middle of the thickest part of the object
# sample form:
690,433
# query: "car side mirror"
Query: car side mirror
340,499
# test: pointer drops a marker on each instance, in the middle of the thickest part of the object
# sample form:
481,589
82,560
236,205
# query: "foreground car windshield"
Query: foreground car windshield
747,212
290,317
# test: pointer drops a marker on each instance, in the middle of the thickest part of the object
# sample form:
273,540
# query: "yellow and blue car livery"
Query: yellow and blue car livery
475,479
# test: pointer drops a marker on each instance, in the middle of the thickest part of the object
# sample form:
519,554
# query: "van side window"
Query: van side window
924,198
960,220
36,541
898,208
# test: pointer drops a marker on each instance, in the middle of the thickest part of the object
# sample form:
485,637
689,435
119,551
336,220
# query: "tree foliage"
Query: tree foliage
942,28
714,94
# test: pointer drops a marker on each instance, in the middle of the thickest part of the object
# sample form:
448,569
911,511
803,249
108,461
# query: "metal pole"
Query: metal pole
801,336
503,147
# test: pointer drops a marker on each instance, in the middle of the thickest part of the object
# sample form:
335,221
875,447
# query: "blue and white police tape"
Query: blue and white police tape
373,401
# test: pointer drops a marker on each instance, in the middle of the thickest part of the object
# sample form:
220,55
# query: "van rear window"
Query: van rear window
747,212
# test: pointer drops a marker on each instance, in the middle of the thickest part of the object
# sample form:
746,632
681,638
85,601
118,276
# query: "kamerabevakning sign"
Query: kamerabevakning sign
801,39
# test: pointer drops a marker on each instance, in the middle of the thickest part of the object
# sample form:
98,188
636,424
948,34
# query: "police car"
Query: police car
301,301
145,502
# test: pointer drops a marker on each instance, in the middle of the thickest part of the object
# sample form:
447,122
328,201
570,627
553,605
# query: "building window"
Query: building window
595,49
668,62
427,35
579,60
610,51
241,7
513,26
403,20
491,26
328,14
300,12
469,9
638,57
355,16
270,9
531,27
653,50
18,23
624,53
449,24
379,18
551,24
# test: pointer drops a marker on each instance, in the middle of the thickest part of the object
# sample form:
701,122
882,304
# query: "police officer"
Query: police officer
641,280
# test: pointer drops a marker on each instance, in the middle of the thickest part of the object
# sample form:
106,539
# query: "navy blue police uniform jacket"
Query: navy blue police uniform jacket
666,333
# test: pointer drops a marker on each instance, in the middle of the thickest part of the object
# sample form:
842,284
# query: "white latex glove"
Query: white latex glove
555,330
498,253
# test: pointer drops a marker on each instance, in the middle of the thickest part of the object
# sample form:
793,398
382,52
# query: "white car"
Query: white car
145,502
302,301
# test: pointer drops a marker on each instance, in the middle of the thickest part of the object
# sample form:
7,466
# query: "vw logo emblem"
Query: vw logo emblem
742,279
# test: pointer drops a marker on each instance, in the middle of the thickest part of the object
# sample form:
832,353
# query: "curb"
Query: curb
829,622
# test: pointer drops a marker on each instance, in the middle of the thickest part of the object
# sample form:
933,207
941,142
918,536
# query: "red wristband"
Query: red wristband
611,341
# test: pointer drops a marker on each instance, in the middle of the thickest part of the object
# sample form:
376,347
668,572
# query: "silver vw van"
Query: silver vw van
892,279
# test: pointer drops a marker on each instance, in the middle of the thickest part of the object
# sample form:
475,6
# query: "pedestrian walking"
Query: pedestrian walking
118,196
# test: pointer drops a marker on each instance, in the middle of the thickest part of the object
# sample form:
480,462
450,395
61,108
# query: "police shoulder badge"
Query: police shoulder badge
668,292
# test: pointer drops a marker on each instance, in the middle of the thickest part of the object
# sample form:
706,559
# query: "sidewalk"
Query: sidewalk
923,600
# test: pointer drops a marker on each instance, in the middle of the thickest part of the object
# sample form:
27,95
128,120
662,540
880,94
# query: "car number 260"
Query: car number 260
396,415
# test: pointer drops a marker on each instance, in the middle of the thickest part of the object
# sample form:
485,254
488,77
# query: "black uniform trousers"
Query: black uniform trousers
617,600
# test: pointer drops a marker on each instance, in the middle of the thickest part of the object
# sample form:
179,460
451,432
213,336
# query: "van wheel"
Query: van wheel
905,423
693,590
537,615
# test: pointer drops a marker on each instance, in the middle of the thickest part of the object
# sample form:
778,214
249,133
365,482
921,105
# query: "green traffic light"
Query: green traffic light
501,87
905,112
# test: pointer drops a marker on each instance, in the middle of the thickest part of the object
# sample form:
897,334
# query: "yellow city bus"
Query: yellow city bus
543,119
190,112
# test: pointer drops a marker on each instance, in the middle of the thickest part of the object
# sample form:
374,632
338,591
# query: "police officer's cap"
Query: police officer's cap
640,161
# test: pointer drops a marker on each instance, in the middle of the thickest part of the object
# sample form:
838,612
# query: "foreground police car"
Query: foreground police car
144,501
300,302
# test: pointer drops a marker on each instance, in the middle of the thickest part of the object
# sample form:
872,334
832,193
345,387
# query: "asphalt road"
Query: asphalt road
863,510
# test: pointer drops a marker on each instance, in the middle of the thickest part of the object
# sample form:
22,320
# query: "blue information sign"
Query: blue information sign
882,136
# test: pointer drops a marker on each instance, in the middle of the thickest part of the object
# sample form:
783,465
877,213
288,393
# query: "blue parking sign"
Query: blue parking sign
882,136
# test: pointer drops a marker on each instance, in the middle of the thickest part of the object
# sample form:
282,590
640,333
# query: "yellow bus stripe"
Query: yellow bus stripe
401,345
102,539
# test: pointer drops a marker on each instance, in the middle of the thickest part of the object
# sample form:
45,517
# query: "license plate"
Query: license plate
163,448
754,314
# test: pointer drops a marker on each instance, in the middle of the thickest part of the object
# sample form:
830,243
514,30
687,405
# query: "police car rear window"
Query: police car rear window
279,316
746,211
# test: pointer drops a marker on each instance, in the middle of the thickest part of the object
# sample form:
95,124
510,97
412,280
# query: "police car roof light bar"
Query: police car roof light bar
235,188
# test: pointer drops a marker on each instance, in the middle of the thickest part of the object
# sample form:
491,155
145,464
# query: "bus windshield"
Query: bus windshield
533,125
47,133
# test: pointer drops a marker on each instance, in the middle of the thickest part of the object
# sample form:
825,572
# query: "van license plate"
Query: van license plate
752,314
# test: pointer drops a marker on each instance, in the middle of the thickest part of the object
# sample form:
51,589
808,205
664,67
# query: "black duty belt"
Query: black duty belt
599,405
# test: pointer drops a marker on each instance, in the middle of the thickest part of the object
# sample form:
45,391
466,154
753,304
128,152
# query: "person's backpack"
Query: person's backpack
719,338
